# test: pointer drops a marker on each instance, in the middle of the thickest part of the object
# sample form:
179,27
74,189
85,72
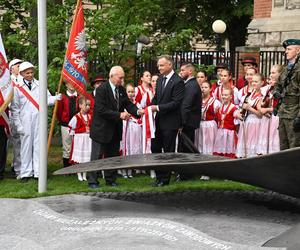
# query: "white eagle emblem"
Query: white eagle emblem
80,58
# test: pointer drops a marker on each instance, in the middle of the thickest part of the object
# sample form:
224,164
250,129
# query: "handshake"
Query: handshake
126,116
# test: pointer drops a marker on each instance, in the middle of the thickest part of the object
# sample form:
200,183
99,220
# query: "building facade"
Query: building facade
273,22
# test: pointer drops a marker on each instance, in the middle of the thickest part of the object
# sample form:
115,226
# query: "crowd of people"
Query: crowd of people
228,118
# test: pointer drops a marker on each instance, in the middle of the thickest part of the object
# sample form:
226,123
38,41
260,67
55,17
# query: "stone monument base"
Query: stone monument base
212,220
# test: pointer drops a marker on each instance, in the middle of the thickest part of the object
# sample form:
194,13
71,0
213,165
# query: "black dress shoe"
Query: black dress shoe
24,179
159,184
112,184
94,185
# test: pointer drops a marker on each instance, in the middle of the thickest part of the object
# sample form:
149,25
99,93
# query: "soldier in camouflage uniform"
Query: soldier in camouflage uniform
288,90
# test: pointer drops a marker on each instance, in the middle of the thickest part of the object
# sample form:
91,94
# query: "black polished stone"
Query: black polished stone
279,172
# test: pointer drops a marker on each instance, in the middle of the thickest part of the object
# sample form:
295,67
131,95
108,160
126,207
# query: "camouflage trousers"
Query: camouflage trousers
288,138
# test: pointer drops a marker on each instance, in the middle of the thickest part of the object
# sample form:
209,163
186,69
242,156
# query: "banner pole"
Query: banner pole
53,121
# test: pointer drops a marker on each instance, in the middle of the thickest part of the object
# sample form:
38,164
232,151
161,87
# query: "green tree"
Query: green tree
197,16
113,27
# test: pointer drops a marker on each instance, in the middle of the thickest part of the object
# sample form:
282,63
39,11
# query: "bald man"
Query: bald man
112,106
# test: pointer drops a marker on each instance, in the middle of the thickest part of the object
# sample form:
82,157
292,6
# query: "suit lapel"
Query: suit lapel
159,88
111,96
169,84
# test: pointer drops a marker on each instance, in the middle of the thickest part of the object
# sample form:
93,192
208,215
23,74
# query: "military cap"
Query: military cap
289,42
249,59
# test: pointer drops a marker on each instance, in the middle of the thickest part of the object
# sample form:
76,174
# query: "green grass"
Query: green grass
58,185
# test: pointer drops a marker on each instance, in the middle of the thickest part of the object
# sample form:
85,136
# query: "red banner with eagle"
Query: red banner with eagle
75,69
6,90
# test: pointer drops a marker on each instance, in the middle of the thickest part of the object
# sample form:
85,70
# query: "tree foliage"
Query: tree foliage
114,25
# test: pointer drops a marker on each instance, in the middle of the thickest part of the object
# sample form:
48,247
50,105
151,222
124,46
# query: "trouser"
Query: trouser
190,133
164,140
287,137
3,150
30,147
104,150
66,139
15,140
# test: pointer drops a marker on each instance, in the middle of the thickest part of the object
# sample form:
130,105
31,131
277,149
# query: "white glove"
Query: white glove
58,97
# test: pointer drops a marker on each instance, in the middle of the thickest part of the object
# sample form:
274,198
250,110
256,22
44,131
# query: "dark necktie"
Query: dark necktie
29,85
117,96
164,82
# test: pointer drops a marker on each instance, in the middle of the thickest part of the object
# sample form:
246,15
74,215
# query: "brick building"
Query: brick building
273,22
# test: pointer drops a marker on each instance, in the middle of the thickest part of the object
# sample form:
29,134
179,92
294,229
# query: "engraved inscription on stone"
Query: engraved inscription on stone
278,3
293,4
151,227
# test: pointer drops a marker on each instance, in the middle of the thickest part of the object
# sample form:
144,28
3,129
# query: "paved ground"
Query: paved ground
186,220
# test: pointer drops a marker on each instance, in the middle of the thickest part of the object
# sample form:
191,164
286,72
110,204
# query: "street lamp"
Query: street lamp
219,28
140,42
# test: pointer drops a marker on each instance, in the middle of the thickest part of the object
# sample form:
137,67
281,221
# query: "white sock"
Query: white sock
79,177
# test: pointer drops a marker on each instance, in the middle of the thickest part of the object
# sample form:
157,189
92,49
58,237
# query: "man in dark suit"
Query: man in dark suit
106,129
190,109
192,102
166,102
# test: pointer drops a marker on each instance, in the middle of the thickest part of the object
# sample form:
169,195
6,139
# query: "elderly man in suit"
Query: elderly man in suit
112,106
166,102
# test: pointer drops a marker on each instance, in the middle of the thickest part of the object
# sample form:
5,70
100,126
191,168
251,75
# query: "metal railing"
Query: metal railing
270,58
231,58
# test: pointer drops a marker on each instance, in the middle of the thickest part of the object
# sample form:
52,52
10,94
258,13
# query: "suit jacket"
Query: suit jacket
106,120
191,104
169,102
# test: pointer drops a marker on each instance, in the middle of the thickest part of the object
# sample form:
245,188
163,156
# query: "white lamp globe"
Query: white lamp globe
219,26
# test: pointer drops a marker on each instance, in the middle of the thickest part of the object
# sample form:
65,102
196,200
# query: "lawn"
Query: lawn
57,185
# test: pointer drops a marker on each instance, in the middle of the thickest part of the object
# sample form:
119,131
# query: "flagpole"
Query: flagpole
43,111
51,131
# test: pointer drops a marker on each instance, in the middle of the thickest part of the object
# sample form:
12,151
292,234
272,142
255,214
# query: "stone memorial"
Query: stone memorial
217,220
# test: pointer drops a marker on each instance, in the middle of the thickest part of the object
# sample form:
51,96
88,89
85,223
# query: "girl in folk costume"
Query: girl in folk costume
247,89
201,77
80,129
148,124
226,83
143,93
226,137
131,143
205,134
154,83
218,69
269,135
250,127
